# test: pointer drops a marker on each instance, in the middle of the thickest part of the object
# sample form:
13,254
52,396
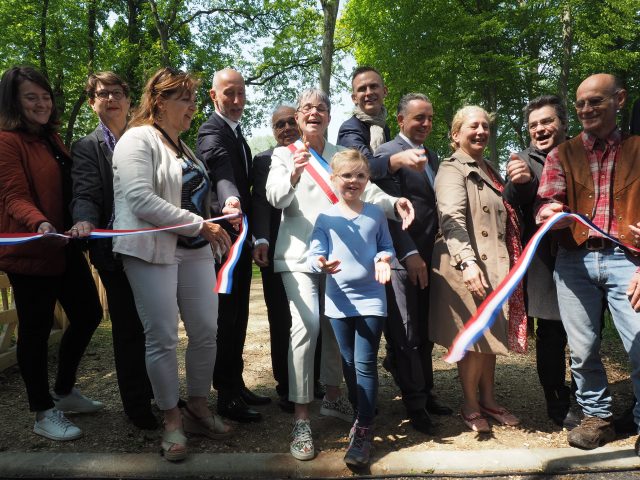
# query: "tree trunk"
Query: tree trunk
42,53
163,32
133,35
330,12
567,43
68,138
91,45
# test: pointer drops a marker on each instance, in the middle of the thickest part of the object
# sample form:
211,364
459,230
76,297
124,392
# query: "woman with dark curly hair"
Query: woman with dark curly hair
35,192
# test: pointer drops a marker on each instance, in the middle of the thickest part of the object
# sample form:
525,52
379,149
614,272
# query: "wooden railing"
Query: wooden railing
9,324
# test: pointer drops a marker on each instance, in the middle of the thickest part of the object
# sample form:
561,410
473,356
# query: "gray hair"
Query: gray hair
313,92
281,106
409,97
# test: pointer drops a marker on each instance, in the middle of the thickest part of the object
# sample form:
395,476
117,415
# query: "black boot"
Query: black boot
559,408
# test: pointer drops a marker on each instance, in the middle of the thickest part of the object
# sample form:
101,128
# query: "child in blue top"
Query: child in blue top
351,243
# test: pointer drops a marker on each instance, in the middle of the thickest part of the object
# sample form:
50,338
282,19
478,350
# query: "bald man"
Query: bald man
228,158
597,173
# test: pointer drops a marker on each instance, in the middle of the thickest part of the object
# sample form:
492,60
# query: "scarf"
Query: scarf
376,126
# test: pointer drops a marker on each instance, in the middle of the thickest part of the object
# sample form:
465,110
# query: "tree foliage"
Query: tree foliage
276,44
499,54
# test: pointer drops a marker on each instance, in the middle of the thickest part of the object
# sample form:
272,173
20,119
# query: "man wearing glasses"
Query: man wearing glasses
546,118
92,207
597,174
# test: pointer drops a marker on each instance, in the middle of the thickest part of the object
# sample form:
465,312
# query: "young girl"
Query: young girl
351,242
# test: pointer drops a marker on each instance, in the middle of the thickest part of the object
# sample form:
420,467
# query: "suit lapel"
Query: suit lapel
103,145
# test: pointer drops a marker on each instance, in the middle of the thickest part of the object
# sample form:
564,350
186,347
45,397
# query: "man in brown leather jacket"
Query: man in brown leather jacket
596,174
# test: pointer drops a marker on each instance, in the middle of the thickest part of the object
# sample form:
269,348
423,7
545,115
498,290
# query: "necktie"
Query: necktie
244,153
427,168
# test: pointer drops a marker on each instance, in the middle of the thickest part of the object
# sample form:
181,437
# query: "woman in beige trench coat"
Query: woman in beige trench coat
471,256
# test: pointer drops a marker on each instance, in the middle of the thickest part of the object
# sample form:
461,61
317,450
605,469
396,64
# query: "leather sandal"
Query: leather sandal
212,427
169,441
476,422
501,415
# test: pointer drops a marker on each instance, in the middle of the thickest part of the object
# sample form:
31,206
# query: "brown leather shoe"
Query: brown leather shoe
593,432
637,447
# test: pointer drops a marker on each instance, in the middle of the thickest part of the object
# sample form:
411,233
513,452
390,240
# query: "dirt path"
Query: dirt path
109,431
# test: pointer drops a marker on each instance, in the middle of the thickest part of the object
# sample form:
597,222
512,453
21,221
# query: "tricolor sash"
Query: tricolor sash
319,170
488,311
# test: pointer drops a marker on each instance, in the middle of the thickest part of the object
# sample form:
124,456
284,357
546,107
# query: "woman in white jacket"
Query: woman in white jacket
158,181
302,200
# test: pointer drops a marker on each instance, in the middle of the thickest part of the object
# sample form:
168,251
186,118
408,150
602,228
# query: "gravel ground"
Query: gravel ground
109,431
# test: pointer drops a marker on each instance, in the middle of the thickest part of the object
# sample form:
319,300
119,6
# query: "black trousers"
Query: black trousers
551,343
35,298
128,344
408,333
233,316
279,317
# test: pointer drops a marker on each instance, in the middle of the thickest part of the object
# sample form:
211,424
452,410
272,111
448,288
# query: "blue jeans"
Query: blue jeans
359,339
585,280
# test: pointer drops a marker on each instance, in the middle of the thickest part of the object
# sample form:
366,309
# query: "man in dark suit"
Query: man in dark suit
366,130
265,222
228,158
92,207
408,294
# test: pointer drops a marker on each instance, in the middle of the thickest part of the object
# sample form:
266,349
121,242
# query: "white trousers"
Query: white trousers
305,292
162,291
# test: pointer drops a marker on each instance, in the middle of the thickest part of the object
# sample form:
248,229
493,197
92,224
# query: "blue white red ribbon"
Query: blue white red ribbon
17,238
488,311
225,274
319,170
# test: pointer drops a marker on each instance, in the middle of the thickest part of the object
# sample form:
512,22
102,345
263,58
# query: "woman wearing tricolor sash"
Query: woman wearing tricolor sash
479,240
298,183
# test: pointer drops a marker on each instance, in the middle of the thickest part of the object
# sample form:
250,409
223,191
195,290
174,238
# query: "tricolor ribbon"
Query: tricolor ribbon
488,311
225,274
17,238
319,170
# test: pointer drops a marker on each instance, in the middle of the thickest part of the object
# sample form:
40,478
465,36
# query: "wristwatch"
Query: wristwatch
462,266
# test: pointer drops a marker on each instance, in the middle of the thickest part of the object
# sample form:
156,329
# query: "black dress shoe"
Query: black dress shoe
436,408
251,398
239,411
318,390
625,423
285,404
144,420
421,421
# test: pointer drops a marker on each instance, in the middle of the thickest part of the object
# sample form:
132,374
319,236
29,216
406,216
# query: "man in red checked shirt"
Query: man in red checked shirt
597,174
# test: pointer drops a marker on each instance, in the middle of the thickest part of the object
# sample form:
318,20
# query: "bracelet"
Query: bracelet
462,266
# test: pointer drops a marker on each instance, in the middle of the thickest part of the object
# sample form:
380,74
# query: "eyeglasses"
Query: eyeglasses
348,176
544,123
593,102
280,124
105,94
309,108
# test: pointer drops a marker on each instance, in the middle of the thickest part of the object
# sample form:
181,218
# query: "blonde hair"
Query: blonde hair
459,118
349,158
164,83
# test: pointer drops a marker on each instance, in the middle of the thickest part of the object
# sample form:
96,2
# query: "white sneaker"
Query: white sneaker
339,408
54,425
76,402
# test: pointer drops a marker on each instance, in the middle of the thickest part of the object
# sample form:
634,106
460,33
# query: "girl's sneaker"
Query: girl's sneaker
359,450
302,443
